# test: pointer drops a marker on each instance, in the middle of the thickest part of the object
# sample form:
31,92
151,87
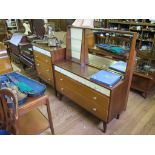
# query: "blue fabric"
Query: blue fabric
4,132
119,66
105,77
38,88
112,48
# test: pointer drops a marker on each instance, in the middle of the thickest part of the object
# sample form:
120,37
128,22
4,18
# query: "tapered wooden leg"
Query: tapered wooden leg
144,94
50,117
118,116
60,96
104,127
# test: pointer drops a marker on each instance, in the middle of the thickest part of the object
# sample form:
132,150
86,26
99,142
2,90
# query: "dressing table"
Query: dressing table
72,75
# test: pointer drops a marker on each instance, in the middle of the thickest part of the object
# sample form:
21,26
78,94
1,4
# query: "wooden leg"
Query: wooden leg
49,116
104,127
144,94
60,96
118,115
55,91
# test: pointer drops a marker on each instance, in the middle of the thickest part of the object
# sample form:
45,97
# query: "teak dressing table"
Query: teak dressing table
72,76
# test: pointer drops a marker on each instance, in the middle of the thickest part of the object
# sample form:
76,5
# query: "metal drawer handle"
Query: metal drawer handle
37,64
36,56
94,97
47,70
94,109
49,79
39,73
46,60
62,89
61,79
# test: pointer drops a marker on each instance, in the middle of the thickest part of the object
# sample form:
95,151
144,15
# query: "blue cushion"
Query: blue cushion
106,77
119,66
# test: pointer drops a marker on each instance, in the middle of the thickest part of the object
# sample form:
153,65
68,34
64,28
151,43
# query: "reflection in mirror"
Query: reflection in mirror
76,42
110,50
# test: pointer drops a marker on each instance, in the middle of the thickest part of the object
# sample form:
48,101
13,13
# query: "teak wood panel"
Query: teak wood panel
5,65
89,99
44,67
42,58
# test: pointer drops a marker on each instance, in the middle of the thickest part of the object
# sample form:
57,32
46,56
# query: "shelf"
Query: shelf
131,23
145,40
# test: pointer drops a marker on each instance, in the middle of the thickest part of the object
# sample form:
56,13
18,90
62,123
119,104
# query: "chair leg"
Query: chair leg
50,116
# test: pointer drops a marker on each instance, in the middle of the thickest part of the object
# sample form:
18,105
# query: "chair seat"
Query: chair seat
34,122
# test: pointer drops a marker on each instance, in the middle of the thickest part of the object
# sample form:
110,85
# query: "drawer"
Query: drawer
43,66
5,65
89,99
48,78
140,83
42,58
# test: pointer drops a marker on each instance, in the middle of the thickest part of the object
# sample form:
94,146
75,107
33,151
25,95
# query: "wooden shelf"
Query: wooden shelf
131,23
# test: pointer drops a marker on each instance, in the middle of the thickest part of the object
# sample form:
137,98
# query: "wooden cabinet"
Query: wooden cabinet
43,65
5,64
89,99
3,30
44,57
104,102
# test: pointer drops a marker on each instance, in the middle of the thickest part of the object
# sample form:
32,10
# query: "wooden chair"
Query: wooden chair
26,119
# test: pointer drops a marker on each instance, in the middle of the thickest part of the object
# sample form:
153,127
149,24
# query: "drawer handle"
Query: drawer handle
46,60
94,109
37,64
94,97
36,56
62,89
61,79
49,79
39,73
47,70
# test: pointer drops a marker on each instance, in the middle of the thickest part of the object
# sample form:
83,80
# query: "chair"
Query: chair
26,119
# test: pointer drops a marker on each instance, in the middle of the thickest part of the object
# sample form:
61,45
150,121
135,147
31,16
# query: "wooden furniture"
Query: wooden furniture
14,42
3,30
26,119
72,77
26,55
145,47
5,64
44,57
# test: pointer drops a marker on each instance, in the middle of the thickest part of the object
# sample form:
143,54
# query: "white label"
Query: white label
42,51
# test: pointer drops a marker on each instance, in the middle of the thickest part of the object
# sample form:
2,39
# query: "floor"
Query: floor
70,119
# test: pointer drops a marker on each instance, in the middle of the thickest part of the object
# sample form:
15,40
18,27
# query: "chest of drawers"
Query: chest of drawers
44,57
104,102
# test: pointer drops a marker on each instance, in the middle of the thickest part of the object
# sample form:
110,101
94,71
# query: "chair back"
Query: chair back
8,115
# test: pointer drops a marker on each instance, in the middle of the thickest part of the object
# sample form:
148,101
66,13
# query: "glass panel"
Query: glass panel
76,40
109,50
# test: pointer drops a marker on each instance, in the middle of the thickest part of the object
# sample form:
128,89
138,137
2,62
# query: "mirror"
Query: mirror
76,42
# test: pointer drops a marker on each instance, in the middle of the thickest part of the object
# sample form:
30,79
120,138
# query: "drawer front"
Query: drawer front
43,66
45,72
88,98
5,65
47,78
42,58
140,83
